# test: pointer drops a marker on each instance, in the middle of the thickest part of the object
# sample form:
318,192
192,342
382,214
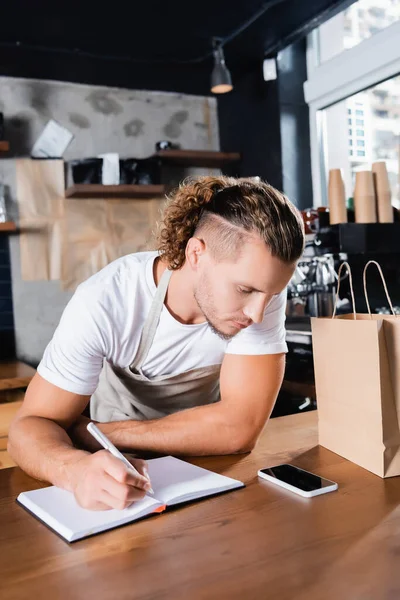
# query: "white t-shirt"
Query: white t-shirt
105,318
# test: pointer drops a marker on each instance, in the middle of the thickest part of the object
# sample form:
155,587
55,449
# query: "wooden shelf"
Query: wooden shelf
198,158
8,226
15,374
4,146
92,190
188,158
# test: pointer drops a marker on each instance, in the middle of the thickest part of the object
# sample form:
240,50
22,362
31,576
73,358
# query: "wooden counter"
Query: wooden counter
255,543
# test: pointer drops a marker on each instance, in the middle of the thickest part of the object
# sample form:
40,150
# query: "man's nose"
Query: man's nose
256,308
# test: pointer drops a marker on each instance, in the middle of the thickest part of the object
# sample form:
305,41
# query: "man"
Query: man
179,351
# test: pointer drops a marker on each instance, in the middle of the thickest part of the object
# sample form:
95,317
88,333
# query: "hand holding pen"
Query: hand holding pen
103,440
103,480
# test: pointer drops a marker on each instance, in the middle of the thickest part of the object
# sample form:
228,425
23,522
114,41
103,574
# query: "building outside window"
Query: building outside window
359,22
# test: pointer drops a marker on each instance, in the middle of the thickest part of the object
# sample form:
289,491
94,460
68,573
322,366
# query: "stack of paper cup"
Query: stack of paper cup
383,193
364,198
336,196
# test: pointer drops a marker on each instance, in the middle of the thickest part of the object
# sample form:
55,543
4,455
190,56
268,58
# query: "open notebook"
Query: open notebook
174,481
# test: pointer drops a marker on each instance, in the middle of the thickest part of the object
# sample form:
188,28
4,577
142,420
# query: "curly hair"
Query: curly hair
229,209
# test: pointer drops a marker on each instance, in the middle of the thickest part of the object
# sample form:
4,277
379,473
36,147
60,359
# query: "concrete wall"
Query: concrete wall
102,120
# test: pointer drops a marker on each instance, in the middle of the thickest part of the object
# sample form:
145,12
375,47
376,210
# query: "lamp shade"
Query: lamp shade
221,81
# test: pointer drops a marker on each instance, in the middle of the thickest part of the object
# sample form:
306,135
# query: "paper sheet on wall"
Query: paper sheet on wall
99,231
53,141
40,193
71,239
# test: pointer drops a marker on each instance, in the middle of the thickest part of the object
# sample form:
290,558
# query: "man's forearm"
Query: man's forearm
43,450
203,430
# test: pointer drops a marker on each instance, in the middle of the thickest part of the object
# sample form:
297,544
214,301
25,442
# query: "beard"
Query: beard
204,301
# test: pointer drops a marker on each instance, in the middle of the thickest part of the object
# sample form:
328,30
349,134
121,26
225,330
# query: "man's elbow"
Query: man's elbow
247,447
13,437
11,446
10,449
17,435
243,441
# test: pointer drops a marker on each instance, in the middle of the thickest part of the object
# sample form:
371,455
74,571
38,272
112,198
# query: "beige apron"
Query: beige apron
126,393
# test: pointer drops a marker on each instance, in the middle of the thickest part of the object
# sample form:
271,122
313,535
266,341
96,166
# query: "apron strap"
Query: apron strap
151,323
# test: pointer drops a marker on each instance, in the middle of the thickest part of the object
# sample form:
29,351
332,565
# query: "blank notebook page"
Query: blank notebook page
175,481
59,509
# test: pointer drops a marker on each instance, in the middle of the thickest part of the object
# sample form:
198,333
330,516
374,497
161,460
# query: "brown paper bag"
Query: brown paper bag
357,376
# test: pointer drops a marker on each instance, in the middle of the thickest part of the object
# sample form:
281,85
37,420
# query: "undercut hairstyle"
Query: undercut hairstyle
227,212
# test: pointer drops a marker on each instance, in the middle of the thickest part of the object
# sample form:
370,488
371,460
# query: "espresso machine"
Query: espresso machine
310,293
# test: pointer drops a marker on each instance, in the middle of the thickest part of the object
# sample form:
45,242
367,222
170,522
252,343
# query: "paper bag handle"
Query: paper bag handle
378,266
351,289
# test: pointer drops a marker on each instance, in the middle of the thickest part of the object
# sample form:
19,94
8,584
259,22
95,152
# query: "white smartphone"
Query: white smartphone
297,480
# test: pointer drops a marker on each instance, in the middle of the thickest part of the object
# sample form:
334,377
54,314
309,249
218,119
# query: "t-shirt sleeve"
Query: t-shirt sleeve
267,337
73,359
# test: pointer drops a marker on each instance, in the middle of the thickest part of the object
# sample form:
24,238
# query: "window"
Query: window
362,75
349,121
381,96
360,21
379,139
377,13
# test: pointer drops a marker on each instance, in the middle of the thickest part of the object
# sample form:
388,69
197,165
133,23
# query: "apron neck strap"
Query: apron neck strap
151,323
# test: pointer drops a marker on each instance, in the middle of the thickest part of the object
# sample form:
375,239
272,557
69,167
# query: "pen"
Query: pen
105,442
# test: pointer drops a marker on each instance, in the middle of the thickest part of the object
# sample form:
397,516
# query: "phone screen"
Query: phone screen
297,477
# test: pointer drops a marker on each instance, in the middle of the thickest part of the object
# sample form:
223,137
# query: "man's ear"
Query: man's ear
195,252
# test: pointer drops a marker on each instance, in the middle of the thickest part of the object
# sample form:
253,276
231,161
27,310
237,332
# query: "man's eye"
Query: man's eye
242,291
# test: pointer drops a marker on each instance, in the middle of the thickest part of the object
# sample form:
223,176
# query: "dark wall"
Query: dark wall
249,123
295,125
149,45
268,122
53,66
6,307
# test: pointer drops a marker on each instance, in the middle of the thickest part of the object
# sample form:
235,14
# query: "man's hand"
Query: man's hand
100,482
